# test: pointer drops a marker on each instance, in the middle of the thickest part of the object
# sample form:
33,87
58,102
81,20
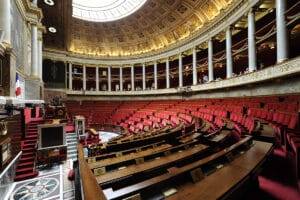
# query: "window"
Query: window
105,10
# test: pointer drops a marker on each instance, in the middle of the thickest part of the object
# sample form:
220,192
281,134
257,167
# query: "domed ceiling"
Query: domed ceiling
156,25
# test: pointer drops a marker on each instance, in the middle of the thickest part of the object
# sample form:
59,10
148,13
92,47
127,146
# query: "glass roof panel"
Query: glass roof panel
105,10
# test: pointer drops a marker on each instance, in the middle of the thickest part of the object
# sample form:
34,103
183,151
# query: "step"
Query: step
24,170
28,145
31,137
25,164
72,151
29,141
26,176
31,134
74,143
28,154
27,159
27,149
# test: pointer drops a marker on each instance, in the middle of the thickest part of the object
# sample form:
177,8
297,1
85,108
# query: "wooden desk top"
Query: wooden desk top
231,175
220,136
132,156
93,131
134,169
79,117
172,172
189,138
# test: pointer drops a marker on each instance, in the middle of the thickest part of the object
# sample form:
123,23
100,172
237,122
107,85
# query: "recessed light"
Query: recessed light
52,29
49,2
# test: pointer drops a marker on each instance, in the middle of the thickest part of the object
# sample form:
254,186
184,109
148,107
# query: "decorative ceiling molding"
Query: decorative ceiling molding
228,17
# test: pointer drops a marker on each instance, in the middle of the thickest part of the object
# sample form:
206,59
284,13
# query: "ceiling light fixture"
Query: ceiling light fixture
52,29
49,2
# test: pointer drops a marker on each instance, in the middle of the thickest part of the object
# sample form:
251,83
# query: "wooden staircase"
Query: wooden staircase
26,166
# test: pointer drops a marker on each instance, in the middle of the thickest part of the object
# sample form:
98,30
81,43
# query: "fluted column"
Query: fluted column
155,75
180,70
121,78
167,73
228,53
5,20
70,77
40,55
109,78
97,78
34,50
144,76
281,33
251,42
132,78
195,66
84,77
210,61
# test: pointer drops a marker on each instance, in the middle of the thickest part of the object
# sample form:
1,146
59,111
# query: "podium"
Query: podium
79,126
52,146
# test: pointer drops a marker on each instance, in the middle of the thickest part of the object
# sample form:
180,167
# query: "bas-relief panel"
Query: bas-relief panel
17,34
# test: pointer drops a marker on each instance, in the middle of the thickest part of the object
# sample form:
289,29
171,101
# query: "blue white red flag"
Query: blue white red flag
18,87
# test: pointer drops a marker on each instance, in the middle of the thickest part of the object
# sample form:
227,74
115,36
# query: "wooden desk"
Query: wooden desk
219,136
128,151
220,184
93,131
132,156
189,138
148,166
173,172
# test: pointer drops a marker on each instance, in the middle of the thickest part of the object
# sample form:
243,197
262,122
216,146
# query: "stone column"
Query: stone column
144,76
34,3
195,66
210,60
167,73
132,78
70,77
155,75
84,78
228,53
121,78
40,55
251,42
180,70
109,78
97,78
5,20
281,36
34,50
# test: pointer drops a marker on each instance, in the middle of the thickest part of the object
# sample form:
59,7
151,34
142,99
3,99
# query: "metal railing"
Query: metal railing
7,177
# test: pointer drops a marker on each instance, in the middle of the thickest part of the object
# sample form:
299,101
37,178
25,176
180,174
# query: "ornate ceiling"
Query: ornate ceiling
158,24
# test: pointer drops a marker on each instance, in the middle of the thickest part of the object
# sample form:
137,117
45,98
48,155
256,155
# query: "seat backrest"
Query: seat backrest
293,121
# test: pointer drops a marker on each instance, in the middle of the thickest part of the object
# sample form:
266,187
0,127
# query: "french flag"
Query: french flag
18,87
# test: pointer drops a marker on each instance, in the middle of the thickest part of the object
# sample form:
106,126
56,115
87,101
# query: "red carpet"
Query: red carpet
70,128
26,166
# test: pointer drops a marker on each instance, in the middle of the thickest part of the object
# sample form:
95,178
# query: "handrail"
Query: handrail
11,163
90,188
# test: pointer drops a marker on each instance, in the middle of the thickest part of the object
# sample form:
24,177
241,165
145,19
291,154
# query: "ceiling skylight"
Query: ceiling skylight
105,10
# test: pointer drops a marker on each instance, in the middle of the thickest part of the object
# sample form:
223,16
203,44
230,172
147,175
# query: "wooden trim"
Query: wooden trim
90,188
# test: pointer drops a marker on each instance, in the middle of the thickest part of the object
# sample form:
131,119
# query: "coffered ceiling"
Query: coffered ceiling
156,25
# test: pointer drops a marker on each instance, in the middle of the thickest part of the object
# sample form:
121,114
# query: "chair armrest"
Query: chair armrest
288,130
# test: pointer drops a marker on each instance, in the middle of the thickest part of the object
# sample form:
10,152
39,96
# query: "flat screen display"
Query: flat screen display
50,136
